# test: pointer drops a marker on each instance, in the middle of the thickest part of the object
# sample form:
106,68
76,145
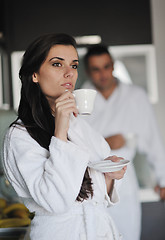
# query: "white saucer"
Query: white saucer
108,165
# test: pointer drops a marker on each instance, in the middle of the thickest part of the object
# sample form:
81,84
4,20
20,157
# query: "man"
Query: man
121,110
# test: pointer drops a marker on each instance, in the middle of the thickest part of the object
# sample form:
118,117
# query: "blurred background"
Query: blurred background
135,34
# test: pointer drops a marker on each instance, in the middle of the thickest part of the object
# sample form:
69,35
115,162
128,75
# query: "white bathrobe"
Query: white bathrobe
127,111
49,182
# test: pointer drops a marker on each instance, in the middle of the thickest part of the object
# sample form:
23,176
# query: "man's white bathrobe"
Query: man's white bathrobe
49,182
128,111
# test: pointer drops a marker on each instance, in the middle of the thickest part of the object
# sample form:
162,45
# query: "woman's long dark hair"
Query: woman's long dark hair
34,110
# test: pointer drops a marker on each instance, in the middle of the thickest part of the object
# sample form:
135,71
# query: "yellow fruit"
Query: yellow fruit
14,206
14,222
20,213
3,203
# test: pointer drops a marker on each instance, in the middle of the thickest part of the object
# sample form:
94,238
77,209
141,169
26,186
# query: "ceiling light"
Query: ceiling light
91,39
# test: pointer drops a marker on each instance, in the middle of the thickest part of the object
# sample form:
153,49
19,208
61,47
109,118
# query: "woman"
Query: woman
48,148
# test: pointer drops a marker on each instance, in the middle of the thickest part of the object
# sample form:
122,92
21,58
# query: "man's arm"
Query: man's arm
116,141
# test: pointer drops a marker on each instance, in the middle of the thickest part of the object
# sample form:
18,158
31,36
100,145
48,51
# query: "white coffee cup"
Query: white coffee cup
84,100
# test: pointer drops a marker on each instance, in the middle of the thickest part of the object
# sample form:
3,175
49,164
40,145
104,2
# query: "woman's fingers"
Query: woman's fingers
66,104
117,175
114,158
65,101
67,110
125,168
65,95
66,107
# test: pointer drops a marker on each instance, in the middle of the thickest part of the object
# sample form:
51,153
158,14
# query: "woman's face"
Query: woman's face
58,72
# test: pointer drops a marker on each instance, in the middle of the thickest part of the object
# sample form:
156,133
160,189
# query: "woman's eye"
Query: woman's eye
75,66
56,64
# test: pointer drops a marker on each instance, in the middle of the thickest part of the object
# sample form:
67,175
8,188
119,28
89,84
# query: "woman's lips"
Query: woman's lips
67,85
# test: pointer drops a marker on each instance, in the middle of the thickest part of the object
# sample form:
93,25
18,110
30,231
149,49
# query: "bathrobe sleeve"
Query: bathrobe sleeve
52,178
112,198
100,146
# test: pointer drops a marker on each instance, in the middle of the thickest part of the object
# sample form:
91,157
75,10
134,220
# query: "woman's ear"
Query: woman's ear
34,77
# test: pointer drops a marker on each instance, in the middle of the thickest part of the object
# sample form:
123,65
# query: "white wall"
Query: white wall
158,29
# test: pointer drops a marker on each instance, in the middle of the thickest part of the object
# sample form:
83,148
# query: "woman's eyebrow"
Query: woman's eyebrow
62,59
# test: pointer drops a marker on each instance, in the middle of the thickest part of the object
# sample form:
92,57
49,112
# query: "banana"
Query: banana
3,203
14,222
14,206
20,213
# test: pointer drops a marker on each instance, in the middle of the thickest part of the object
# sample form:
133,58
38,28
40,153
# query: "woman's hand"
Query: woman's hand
111,176
64,106
118,174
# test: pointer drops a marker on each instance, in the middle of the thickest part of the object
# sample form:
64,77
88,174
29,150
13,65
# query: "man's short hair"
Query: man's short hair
95,50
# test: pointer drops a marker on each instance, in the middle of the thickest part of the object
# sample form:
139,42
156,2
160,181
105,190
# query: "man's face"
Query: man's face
100,68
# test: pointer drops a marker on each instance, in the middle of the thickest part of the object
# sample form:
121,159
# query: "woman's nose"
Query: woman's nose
68,72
